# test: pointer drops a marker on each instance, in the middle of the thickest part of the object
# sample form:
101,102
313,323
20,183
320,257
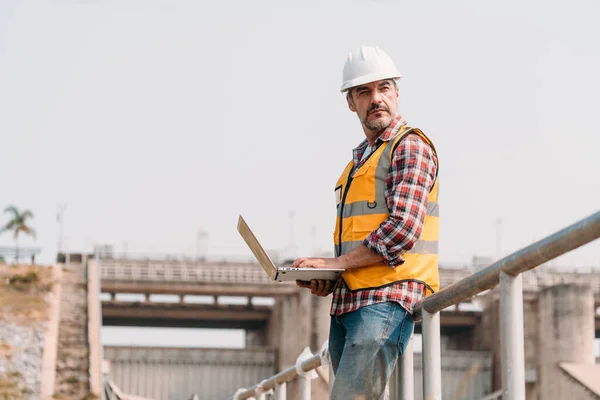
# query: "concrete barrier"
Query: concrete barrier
94,325
51,338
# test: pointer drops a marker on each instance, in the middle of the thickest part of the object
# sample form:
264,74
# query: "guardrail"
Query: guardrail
304,371
506,272
162,271
110,391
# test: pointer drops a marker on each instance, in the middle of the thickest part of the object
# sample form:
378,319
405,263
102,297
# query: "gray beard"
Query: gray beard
379,124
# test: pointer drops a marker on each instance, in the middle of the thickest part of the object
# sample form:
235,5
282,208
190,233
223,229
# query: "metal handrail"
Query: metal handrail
277,383
530,257
508,272
497,395
112,392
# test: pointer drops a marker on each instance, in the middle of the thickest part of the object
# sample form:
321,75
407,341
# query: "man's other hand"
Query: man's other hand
318,287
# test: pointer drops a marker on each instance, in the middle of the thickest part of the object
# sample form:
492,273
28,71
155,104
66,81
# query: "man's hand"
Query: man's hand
313,262
318,287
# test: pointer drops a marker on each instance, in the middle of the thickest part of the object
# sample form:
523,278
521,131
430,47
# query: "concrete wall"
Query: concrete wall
293,317
571,388
558,326
531,322
94,325
51,339
177,373
466,375
566,334
72,360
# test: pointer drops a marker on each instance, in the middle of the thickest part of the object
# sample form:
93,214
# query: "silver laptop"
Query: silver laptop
282,274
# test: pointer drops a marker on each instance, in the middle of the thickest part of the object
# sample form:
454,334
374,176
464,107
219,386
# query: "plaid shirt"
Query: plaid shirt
412,175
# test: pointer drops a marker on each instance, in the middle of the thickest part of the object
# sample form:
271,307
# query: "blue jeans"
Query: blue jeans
364,346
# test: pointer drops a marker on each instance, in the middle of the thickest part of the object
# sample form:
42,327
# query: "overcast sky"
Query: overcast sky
153,120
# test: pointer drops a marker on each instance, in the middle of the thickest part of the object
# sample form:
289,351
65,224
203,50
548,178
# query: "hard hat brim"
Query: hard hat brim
361,80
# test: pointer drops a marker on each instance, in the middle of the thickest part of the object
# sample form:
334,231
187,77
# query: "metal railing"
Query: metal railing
110,391
497,395
506,272
304,371
162,271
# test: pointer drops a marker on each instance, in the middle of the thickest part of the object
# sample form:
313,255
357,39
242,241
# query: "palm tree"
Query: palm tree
17,224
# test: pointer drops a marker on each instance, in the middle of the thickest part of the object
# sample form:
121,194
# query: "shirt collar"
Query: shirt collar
388,134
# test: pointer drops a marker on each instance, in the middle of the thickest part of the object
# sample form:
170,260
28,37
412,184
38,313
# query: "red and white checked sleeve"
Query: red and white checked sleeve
412,174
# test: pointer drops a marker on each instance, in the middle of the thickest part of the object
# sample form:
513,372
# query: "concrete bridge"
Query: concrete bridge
214,280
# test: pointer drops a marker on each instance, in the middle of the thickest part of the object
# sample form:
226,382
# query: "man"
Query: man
386,233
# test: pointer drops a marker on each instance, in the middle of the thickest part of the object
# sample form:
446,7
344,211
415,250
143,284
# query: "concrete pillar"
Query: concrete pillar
566,334
298,321
320,321
320,333
294,333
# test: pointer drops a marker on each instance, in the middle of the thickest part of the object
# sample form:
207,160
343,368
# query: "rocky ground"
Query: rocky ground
24,299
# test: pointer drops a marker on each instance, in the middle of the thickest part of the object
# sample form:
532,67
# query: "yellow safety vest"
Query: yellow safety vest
362,207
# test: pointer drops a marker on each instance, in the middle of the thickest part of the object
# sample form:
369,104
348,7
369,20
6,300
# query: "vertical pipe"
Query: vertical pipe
280,391
512,336
432,360
303,388
406,373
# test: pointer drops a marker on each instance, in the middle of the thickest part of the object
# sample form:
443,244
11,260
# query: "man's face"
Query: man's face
375,103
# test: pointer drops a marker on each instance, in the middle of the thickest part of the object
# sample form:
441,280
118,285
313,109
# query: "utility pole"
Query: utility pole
292,247
201,236
313,239
60,218
498,238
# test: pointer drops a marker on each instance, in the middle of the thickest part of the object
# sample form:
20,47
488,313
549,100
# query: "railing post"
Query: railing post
512,336
303,388
406,373
280,391
432,359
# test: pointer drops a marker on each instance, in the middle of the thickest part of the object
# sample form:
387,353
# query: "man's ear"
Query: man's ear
350,102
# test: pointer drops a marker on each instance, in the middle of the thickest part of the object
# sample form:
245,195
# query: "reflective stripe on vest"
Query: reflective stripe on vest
362,208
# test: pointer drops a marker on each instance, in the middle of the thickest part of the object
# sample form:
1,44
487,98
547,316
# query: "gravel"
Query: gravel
21,351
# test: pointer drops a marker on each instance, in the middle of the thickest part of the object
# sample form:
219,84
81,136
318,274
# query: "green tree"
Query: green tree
17,224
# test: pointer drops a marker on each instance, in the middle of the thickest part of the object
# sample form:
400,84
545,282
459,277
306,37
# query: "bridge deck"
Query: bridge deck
249,280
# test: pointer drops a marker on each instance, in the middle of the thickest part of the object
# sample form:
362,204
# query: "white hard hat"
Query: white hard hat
368,64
